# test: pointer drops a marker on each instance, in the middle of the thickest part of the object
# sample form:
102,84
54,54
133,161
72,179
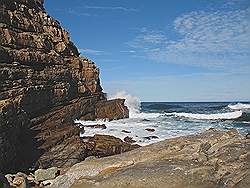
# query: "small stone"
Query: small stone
46,174
21,182
232,132
10,177
47,182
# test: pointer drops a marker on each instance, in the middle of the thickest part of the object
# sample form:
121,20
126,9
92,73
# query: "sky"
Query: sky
164,50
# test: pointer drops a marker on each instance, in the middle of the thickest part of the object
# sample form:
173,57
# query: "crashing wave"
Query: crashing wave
239,106
225,116
134,105
132,102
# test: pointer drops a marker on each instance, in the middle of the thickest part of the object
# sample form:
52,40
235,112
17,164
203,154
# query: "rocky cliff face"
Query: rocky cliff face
44,86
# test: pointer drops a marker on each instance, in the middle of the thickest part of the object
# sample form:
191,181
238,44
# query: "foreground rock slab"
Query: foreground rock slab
211,159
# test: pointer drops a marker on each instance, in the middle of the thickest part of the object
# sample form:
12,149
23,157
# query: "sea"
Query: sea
150,122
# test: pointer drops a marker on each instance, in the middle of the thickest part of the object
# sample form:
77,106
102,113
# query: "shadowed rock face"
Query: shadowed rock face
44,86
210,159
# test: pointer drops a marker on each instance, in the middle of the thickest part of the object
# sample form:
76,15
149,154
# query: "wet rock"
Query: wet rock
46,174
129,140
111,110
125,131
97,126
150,129
150,137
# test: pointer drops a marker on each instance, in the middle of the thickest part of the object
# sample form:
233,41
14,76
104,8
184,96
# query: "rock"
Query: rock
125,131
4,182
169,163
247,136
97,126
150,129
46,174
105,145
44,87
47,182
150,137
129,140
21,182
111,110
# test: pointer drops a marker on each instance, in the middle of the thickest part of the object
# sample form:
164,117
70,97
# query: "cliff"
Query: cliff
44,86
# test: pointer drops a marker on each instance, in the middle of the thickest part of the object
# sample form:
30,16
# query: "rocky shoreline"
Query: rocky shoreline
210,159
45,85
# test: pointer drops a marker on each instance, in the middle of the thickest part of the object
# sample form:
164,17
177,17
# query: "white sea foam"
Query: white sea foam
132,102
165,127
226,115
239,106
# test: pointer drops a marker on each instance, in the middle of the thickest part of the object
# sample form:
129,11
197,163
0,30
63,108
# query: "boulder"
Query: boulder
111,110
46,174
105,145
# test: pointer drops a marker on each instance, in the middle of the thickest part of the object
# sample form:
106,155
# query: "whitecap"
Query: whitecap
239,106
225,116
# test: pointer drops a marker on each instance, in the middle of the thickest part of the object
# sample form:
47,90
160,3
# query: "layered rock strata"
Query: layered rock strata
44,86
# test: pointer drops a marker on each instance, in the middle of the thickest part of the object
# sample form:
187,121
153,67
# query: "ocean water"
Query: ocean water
172,119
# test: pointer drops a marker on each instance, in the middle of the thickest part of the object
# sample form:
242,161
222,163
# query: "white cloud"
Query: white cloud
74,12
118,8
92,51
211,39
127,51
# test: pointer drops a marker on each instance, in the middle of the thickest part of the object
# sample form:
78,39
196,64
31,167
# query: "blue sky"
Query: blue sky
164,50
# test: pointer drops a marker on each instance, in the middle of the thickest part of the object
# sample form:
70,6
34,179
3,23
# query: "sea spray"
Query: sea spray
132,102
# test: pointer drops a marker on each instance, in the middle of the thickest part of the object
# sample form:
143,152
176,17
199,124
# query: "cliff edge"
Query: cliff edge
44,86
